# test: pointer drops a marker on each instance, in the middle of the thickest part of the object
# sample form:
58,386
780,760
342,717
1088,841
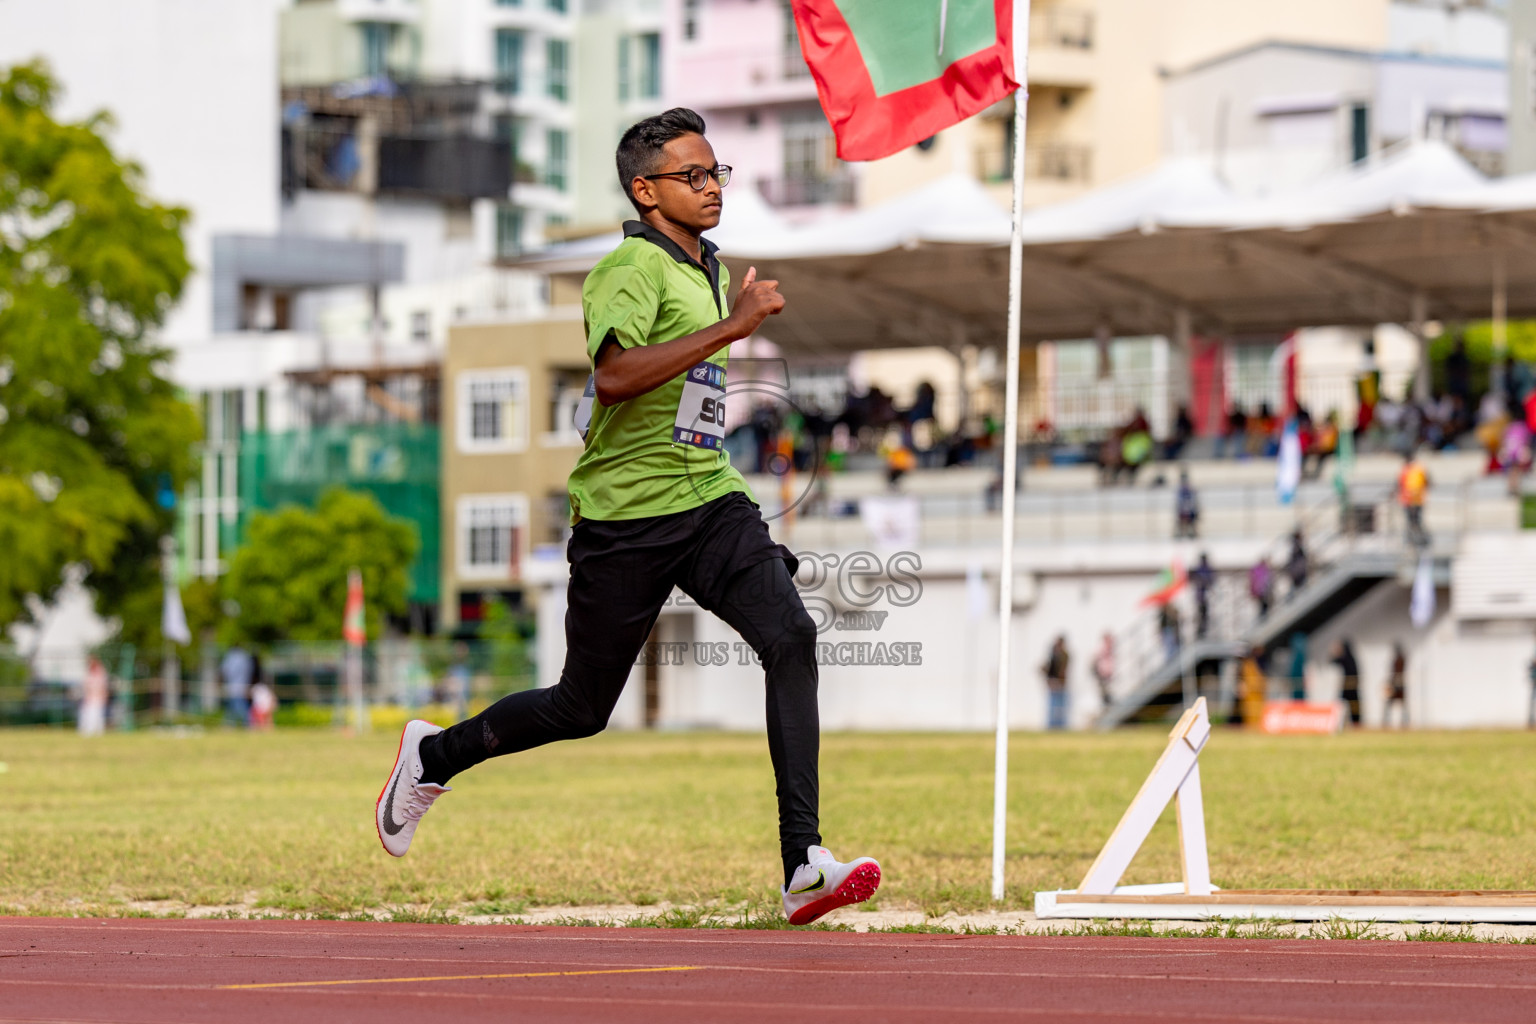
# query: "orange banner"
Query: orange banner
1293,717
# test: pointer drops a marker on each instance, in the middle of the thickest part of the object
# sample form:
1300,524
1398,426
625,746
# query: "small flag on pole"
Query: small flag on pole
1169,583
173,617
1288,473
1421,605
354,629
891,73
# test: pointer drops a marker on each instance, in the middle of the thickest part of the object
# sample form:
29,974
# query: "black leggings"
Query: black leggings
720,555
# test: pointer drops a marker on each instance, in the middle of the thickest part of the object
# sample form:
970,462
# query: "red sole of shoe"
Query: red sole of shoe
387,780
859,886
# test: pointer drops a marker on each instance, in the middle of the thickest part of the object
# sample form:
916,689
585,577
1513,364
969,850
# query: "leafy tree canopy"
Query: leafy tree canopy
290,577
90,429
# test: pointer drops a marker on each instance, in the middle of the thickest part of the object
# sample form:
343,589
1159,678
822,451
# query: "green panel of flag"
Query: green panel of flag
899,39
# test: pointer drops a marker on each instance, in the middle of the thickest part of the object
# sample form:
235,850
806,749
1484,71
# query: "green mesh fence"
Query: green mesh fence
395,462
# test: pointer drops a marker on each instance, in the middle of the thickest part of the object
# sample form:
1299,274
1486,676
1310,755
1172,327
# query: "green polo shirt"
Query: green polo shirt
659,452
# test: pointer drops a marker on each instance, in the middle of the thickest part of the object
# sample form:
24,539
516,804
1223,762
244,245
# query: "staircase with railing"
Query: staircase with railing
1346,557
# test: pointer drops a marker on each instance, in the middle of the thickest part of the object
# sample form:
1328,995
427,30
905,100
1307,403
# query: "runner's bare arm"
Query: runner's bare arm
625,373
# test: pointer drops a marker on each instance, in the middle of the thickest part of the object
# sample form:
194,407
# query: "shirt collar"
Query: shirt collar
707,249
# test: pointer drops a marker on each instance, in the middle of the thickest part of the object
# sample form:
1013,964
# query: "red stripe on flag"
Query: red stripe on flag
869,127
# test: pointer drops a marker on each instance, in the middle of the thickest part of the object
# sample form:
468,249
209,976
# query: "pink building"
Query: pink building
738,63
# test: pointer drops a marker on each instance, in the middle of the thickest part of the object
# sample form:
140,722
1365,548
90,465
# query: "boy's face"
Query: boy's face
674,198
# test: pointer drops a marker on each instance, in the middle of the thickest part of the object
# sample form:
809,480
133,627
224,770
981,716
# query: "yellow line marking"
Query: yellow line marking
458,977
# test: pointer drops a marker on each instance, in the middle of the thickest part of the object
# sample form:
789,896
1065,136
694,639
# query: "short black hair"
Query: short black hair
639,150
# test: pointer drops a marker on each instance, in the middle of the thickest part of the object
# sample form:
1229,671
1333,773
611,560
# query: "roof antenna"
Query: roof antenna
943,20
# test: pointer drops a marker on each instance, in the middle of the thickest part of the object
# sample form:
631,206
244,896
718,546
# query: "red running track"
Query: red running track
169,972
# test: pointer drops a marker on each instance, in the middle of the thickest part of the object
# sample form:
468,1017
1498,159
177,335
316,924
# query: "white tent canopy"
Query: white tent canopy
1417,232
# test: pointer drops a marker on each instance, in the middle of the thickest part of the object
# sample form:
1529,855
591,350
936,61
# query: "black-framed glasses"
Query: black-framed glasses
698,177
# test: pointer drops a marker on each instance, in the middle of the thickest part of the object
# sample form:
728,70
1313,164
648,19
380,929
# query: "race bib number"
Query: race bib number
701,411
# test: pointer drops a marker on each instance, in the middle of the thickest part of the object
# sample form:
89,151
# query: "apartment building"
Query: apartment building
508,444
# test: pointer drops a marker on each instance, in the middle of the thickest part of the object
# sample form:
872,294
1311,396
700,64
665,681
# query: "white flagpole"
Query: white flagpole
1010,447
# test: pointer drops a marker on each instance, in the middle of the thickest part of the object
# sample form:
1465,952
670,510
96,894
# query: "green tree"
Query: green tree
290,577
90,430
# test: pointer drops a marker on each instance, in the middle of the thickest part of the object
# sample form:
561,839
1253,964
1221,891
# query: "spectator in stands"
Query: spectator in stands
1104,670
1183,430
95,690
1204,578
1263,432
1458,373
237,668
1296,565
1170,628
1515,453
1055,671
1323,445
899,460
1187,508
1261,584
1412,488
1137,446
1397,687
1349,670
1235,433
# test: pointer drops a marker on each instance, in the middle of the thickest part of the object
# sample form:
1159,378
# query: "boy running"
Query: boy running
656,504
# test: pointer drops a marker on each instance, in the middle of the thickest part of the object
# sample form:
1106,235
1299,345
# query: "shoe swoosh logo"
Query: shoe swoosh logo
821,880
389,806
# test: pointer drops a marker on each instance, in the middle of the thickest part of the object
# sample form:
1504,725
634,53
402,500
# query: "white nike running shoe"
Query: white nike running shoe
822,884
405,798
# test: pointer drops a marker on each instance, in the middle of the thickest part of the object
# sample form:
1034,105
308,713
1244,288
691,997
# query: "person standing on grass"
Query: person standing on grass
1055,672
1349,669
237,668
1397,688
656,504
1530,670
1104,669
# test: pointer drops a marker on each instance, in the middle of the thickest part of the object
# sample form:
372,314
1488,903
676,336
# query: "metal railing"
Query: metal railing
1061,27
839,189
1058,161
44,688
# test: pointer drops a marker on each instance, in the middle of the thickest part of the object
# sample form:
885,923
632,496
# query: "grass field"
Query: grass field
284,820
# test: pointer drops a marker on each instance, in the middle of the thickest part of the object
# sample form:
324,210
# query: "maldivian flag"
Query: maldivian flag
1169,583
891,73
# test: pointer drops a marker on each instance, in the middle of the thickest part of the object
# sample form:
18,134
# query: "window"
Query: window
649,86
624,45
566,385
493,410
556,5
557,152
377,37
690,19
421,326
493,531
794,62
557,56
509,3
509,230
509,61
810,150
1359,132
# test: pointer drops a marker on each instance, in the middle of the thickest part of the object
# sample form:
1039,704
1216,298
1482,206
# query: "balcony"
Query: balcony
1061,28
831,190
1064,162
